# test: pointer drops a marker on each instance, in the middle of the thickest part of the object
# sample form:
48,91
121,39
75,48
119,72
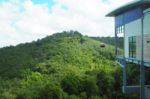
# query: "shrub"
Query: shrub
95,97
51,92
73,97
89,86
105,84
71,84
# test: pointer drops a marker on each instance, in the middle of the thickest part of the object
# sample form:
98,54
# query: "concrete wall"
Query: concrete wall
146,47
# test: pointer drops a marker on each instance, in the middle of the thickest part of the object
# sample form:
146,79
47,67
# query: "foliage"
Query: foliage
71,84
110,40
65,65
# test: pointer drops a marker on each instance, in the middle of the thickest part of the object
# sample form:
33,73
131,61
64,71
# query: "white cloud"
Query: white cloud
25,21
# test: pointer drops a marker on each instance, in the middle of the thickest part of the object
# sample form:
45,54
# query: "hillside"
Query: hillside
65,65
110,40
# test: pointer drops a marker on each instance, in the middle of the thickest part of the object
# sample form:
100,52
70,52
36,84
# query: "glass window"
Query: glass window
120,29
132,47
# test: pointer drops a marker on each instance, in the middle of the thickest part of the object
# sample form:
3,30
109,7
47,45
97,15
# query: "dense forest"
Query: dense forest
65,65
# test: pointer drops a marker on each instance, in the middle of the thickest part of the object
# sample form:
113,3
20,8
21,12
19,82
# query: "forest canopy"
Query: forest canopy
65,65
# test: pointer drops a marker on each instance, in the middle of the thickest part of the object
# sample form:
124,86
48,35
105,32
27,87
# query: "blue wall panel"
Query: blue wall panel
128,16
119,20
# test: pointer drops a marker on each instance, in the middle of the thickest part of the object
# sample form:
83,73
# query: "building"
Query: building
132,21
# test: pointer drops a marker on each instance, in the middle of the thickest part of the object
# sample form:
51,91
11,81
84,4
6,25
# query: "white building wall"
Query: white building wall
147,21
147,35
134,29
131,29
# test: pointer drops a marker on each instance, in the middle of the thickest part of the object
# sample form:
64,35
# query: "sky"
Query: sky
28,20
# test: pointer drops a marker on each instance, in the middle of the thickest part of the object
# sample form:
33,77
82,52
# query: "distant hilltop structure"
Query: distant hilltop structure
132,21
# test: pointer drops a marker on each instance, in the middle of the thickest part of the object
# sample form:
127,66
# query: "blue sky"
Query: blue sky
50,3
2,1
27,20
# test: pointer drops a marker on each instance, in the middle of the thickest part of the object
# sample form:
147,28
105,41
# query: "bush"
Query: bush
71,84
73,97
105,84
89,86
50,92
96,97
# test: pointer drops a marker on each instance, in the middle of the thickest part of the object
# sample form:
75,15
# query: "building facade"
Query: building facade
132,21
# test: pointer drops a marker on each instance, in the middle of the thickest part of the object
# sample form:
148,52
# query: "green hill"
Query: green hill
65,65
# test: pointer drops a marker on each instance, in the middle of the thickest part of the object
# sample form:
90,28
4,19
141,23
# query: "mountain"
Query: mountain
65,65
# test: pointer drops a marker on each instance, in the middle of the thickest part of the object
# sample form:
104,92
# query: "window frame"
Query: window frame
120,29
132,46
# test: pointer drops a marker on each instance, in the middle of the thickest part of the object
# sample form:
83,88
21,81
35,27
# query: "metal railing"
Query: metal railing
132,60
